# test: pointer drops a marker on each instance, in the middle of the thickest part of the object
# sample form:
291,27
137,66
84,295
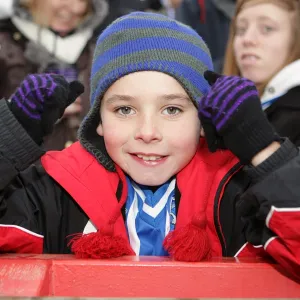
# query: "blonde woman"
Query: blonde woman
54,36
264,46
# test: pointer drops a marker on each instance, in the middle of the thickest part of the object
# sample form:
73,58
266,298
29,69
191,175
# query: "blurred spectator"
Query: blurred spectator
211,19
264,46
53,36
170,6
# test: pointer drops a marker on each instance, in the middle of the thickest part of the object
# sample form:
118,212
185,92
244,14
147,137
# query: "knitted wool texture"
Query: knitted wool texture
143,42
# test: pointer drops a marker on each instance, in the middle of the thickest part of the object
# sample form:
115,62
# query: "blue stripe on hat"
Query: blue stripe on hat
150,43
185,71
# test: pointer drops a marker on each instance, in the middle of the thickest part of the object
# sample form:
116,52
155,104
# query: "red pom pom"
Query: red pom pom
99,245
189,243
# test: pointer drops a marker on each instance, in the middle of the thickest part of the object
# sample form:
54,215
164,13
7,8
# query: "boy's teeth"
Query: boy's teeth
152,158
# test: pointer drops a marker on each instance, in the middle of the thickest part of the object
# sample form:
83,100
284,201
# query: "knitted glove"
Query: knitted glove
232,117
41,100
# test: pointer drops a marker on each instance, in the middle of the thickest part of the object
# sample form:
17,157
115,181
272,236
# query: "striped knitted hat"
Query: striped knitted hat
143,42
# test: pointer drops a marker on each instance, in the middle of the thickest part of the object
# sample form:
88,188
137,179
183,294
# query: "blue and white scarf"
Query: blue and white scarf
149,217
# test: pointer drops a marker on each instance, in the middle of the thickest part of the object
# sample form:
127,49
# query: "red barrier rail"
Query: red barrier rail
63,275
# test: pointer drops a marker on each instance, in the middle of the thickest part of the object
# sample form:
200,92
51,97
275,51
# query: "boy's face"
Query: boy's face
150,126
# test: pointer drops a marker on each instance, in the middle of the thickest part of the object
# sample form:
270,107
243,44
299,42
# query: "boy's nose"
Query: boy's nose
147,131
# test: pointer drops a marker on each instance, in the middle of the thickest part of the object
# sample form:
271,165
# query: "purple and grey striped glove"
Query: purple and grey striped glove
232,117
41,100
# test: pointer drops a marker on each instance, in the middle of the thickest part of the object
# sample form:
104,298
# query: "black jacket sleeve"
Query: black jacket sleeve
36,213
271,207
17,149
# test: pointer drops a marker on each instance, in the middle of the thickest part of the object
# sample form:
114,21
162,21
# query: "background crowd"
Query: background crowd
58,36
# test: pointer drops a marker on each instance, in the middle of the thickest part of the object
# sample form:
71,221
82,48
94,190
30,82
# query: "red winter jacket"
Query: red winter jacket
72,188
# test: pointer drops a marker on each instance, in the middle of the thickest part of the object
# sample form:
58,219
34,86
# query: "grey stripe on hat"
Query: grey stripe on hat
127,35
151,55
157,17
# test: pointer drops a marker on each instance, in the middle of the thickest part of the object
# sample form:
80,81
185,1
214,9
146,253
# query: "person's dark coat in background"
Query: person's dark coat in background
281,104
26,47
118,8
211,19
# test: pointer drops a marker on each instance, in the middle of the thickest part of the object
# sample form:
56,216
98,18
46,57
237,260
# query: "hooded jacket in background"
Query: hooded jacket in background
26,48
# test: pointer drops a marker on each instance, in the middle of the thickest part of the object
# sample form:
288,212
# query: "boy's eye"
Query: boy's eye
125,110
172,110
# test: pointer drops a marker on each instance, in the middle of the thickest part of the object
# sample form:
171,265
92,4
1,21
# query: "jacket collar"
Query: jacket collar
100,10
67,49
282,82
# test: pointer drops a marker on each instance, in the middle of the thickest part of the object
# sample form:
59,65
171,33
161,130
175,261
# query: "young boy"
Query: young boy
141,180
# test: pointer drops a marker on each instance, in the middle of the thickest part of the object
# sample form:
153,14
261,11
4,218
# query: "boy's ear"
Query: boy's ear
100,129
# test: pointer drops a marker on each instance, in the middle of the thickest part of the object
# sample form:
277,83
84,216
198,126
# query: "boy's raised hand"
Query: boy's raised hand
232,117
41,100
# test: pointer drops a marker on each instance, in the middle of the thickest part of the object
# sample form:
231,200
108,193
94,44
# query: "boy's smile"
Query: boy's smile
149,159
150,126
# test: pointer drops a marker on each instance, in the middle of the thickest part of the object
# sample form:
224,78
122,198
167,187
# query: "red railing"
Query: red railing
63,275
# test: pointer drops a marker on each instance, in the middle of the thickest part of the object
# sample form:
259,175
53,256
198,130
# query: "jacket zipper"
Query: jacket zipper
217,199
